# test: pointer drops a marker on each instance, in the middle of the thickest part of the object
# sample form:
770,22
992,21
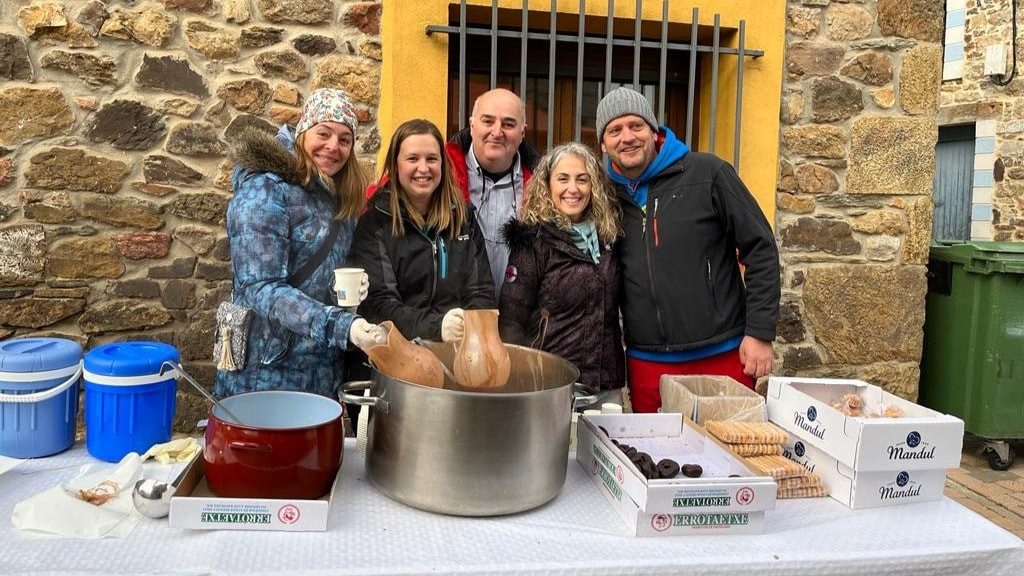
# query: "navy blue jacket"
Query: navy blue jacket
683,286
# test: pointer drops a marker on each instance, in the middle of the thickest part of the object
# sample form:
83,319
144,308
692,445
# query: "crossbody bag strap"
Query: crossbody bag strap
300,275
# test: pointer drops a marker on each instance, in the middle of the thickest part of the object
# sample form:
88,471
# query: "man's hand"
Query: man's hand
757,357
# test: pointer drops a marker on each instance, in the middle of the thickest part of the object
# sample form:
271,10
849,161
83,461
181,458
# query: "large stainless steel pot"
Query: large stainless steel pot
471,453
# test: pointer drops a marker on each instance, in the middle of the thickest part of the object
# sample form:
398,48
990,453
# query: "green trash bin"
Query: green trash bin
972,363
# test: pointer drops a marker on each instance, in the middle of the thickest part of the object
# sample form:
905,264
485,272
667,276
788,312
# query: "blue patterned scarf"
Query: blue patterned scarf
584,234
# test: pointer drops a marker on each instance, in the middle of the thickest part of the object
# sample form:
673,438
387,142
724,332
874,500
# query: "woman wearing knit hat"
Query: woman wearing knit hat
420,243
290,224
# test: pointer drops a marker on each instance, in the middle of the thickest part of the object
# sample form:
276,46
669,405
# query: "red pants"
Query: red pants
645,376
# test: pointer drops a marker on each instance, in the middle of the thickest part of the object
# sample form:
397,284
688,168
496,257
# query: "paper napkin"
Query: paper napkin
64,512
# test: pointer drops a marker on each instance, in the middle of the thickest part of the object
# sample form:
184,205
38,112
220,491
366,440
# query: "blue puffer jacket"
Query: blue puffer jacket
275,226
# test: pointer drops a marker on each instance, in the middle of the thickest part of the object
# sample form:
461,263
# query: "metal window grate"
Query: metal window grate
702,40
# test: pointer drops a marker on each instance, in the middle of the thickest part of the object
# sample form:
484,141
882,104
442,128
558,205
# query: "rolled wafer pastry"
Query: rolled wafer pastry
805,481
776,466
746,432
802,492
755,449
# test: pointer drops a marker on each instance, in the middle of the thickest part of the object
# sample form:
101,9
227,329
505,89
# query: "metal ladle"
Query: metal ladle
152,498
444,367
177,367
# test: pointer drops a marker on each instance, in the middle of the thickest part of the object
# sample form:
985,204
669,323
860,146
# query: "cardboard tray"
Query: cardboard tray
703,398
713,503
194,506
922,439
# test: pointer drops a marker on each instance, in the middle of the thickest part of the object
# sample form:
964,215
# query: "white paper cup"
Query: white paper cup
346,286
611,408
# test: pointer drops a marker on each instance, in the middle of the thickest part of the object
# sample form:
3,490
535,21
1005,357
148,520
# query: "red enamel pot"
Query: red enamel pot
288,445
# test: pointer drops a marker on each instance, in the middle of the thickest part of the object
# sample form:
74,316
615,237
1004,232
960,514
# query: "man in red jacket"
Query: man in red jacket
492,164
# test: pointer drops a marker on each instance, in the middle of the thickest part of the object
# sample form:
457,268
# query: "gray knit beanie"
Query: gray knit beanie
620,102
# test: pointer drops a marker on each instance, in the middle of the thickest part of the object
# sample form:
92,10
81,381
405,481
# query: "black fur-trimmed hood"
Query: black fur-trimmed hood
259,151
518,235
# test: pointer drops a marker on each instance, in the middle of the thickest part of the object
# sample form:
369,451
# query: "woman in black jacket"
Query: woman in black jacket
562,285
419,243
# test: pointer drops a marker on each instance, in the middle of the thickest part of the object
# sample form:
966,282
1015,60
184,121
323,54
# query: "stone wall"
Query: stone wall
854,195
115,125
976,98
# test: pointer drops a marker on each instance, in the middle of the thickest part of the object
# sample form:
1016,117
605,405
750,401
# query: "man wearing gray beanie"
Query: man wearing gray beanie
689,307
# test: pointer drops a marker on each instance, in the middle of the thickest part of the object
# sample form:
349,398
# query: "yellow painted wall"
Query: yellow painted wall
414,72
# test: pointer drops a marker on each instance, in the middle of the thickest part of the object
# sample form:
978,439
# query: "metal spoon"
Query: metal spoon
199,387
152,498
444,367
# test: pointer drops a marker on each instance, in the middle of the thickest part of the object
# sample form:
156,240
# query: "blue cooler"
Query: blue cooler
129,405
38,395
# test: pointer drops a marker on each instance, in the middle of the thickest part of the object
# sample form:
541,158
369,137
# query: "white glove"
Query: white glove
453,325
363,334
364,286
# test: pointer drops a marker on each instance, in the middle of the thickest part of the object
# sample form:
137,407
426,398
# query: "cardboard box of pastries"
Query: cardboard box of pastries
863,426
726,498
866,489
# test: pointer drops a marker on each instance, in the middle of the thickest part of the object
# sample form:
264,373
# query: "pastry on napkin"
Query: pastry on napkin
95,504
177,450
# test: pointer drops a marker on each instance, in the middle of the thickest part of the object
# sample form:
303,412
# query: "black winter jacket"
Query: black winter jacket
549,277
682,284
417,277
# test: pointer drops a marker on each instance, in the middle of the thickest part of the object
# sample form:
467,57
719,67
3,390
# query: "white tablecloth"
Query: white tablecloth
577,533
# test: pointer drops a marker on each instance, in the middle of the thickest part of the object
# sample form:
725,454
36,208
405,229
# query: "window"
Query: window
564,115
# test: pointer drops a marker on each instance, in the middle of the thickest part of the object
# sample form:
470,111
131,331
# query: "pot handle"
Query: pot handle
251,447
358,386
588,395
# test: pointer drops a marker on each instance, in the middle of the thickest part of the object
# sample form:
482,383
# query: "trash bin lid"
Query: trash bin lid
982,257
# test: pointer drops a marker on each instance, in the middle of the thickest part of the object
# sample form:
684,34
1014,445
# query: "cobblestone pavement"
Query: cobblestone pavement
996,495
